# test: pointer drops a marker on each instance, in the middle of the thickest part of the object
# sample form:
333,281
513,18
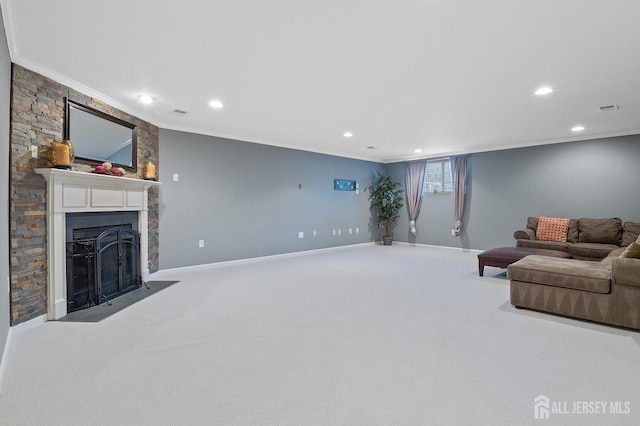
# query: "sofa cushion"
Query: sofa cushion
632,251
630,233
604,231
615,253
590,250
583,275
573,234
548,245
552,229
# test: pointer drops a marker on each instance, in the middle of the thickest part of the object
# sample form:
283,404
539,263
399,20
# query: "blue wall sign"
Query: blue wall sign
344,185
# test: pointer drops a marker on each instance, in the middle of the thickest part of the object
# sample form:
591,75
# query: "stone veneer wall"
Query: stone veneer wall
37,118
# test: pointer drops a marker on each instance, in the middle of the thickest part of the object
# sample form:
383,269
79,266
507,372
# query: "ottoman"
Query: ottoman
502,257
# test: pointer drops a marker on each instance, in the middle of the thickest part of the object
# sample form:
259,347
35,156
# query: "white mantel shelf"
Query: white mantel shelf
77,192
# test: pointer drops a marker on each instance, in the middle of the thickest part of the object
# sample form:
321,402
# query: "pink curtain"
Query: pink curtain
414,181
459,169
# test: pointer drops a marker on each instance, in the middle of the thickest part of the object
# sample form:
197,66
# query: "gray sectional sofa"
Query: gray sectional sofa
604,288
587,239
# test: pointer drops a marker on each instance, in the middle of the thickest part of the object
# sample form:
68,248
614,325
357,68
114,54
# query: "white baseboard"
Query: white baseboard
3,361
28,325
204,266
160,273
464,250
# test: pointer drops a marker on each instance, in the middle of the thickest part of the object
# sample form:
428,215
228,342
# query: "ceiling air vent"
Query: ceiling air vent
611,107
372,147
179,112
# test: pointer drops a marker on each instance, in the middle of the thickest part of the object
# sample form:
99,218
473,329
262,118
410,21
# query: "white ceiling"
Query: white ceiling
445,76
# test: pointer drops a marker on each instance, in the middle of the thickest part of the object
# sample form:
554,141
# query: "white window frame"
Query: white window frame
438,178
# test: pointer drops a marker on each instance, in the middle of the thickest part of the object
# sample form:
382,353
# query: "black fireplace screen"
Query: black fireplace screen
102,263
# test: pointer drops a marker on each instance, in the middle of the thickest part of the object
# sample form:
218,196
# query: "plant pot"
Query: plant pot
387,241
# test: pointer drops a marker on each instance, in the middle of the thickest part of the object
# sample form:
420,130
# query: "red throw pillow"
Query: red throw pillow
552,229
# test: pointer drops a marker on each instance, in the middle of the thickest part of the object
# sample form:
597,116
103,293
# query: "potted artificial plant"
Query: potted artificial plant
386,198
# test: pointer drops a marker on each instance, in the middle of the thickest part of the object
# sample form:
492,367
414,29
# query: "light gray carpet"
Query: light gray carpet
370,335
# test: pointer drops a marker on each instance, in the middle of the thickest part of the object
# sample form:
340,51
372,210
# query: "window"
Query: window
437,179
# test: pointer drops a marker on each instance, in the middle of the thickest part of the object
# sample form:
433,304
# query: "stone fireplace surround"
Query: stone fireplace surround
38,118
77,192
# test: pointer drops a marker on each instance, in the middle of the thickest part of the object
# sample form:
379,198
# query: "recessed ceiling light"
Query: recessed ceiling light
418,151
347,134
146,99
577,128
543,91
216,104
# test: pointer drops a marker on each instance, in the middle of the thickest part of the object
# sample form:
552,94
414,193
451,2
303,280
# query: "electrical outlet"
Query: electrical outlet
300,234
453,232
34,151
357,230
176,177
339,231
350,231
201,243
315,233
334,232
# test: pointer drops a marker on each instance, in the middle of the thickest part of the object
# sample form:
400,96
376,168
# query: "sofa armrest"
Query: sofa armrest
626,271
525,234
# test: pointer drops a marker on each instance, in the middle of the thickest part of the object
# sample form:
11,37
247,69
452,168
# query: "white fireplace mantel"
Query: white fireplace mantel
77,192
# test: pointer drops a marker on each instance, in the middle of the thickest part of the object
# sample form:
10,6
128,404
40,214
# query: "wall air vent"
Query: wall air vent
179,112
611,107
372,147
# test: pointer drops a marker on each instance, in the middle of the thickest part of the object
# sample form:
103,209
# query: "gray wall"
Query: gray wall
243,200
5,88
595,178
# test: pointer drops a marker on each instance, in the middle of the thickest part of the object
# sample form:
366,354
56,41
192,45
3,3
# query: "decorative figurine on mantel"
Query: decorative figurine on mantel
108,169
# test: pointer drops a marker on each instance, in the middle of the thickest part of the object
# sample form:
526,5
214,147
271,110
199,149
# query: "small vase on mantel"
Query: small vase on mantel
62,154
149,172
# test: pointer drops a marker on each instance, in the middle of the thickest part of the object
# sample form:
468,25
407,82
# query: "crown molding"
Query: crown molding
10,28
